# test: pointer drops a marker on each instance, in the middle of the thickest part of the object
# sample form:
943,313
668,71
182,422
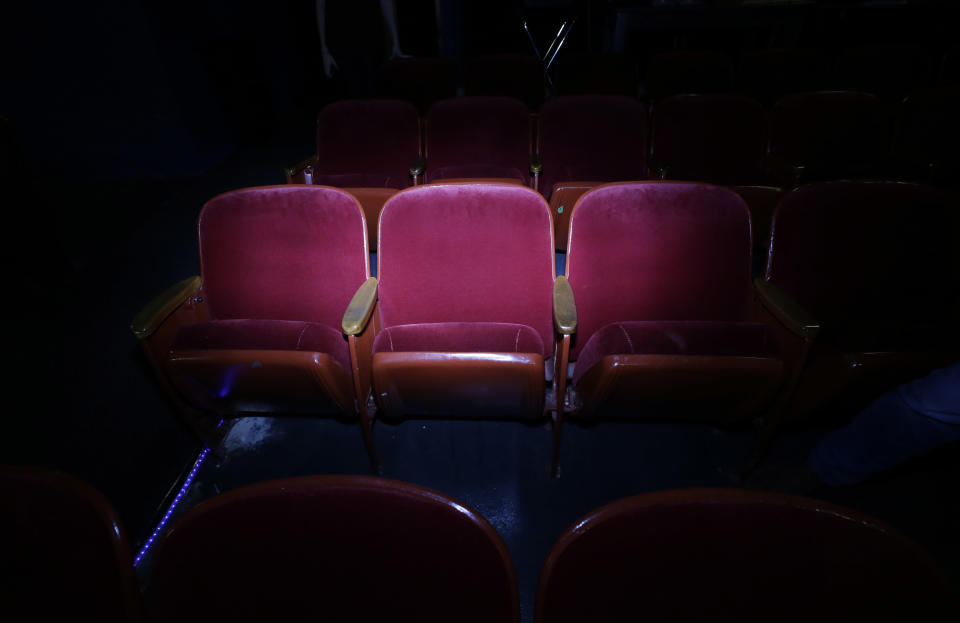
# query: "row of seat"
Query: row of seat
891,71
655,315
576,142
368,549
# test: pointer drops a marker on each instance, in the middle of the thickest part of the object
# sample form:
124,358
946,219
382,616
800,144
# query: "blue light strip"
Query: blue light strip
173,506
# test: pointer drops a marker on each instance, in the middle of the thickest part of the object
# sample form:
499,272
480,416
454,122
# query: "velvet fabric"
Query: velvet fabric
467,253
869,259
367,143
294,253
263,335
830,133
478,137
734,339
460,337
721,139
600,138
659,251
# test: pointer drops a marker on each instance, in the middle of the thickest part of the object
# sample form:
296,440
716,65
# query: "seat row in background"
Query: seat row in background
365,549
374,147
656,315
890,71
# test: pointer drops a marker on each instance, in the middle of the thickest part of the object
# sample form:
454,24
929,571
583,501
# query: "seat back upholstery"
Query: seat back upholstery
736,555
367,143
282,253
65,553
721,139
859,252
836,131
658,251
477,137
332,548
467,253
597,138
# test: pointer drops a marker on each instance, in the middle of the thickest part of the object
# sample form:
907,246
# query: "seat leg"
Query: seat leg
366,426
560,387
557,426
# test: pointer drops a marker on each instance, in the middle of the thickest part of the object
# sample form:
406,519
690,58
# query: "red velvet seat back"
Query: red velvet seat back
853,253
478,137
596,138
831,131
467,253
282,253
367,143
64,553
658,251
735,555
332,548
721,139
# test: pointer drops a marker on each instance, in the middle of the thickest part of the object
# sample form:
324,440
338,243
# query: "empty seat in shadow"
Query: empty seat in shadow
827,135
366,147
586,140
673,73
736,555
332,548
65,553
478,137
666,322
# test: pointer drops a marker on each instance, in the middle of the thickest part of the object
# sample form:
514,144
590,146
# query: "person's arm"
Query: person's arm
329,64
389,13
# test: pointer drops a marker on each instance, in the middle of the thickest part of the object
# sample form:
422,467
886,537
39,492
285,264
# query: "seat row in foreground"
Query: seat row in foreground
368,549
656,315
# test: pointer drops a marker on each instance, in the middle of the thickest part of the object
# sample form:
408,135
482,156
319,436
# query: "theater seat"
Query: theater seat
478,137
278,322
65,553
421,80
827,135
660,273
466,276
720,139
583,141
366,147
928,131
332,548
736,555
688,71
862,277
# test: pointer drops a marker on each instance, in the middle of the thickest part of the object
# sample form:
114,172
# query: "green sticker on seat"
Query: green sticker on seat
560,210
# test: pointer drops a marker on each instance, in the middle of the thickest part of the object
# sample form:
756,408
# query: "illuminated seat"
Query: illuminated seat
332,548
466,275
666,327
827,135
277,323
862,276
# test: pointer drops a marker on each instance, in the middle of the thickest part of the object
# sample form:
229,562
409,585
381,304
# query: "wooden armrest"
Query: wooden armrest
418,167
564,307
536,165
307,163
361,306
157,310
786,310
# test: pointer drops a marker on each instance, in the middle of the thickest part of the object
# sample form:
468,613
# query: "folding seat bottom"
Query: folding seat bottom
255,366
459,369
707,370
